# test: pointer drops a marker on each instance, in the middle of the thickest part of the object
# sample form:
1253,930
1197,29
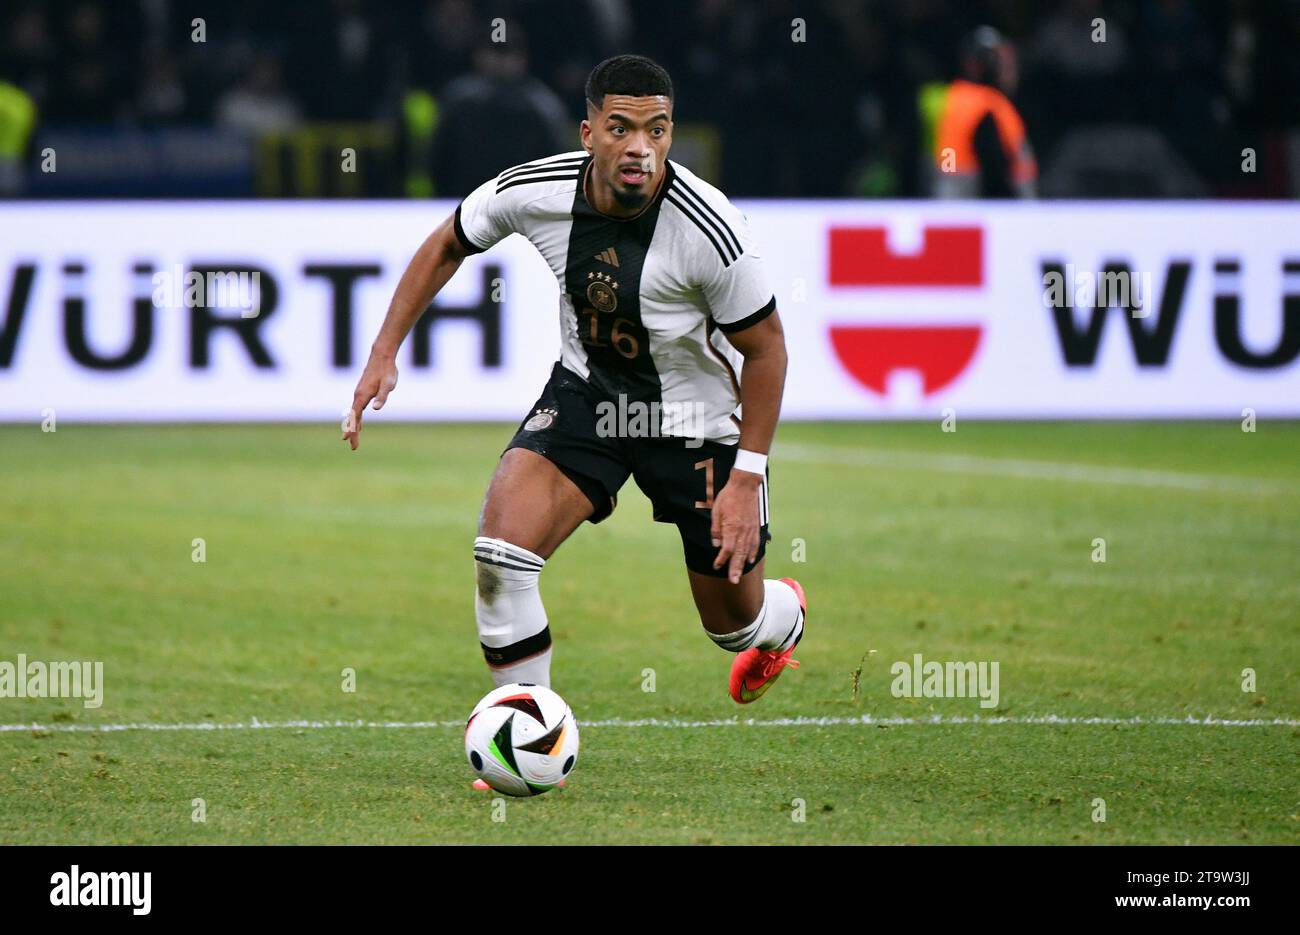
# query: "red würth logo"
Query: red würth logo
949,257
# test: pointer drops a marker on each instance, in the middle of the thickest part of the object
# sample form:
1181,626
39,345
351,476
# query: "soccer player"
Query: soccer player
671,370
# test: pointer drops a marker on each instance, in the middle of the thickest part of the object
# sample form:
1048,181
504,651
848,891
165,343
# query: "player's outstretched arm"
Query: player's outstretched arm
762,383
433,264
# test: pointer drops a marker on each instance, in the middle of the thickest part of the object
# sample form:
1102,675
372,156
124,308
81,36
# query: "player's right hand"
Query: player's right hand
377,381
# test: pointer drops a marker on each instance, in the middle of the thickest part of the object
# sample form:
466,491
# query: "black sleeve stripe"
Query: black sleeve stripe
538,173
732,254
719,243
549,160
563,166
704,205
527,167
726,258
749,320
469,245
528,180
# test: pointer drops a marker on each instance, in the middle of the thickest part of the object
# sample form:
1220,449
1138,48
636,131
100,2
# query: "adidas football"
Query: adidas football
522,739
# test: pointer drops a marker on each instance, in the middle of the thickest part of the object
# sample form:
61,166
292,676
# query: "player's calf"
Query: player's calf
777,626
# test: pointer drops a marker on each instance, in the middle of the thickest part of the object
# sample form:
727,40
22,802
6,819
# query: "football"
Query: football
522,739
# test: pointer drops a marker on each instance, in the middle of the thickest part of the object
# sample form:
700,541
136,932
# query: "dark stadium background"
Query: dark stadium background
151,113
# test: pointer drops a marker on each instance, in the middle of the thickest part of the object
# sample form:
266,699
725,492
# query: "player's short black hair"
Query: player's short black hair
635,75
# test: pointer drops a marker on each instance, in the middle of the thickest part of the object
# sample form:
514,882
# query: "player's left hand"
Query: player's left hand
735,525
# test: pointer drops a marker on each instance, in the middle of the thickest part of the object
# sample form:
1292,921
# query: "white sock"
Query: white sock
778,626
511,619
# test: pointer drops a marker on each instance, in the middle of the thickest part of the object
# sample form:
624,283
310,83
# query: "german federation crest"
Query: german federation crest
541,419
601,294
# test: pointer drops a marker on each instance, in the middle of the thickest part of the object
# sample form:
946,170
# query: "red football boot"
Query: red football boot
755,669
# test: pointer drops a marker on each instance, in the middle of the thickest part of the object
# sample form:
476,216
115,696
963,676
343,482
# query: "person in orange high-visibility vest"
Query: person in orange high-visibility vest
980,146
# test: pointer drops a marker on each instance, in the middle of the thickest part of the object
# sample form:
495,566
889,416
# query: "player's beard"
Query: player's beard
632,197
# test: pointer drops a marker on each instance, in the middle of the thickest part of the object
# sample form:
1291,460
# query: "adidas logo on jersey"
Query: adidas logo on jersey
608,255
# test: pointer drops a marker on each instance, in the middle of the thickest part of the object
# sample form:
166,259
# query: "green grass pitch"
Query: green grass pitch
973,545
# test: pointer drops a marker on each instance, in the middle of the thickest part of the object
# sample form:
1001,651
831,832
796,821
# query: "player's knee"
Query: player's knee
488,581
502,566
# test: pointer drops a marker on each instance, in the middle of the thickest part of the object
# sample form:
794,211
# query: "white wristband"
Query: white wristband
750,461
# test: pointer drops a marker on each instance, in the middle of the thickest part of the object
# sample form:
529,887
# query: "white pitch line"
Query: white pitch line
1026,469
865,720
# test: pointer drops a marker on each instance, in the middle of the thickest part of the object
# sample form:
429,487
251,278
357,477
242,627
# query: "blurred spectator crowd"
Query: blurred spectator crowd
769,116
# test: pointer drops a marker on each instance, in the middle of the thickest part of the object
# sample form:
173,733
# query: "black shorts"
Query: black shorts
679,476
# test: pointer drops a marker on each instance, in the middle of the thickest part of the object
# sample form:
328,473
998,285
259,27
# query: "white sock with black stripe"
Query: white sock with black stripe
778,626
512,627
